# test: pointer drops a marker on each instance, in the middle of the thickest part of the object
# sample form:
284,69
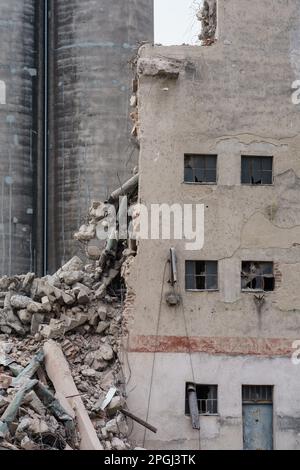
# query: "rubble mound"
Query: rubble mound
61,380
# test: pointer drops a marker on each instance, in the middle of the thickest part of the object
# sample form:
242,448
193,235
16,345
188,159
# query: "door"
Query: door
258,426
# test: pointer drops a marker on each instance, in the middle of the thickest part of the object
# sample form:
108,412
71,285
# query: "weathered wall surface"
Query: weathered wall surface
232,98
222,432
90,147
17,70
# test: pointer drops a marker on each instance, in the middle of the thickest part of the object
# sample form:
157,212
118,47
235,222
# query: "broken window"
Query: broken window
257,393
257,170
201,275
207,399
200,168
258,276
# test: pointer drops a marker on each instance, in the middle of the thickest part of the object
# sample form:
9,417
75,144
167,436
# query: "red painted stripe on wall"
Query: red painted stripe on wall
213,345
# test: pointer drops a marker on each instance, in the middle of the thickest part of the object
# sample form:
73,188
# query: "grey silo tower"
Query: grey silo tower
65,125
17,134
90,149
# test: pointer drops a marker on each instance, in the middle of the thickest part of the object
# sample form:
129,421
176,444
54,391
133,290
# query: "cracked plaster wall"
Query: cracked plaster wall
232,98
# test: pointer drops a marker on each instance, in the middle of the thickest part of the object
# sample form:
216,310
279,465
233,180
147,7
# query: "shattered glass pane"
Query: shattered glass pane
200,168
257,170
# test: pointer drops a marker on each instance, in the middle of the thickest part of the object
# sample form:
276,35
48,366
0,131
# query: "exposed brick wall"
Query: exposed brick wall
278,275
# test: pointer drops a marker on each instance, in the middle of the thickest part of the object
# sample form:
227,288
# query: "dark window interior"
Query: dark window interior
257,170
200,168
207,398
201,275
258,276
257,393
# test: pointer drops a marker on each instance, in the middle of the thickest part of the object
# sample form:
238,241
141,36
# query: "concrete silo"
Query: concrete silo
90,151
17,77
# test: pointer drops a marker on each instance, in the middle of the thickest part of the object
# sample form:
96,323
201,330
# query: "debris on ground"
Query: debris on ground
61,380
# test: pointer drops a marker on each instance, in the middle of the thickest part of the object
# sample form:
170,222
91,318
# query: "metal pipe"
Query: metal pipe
193,405
46,88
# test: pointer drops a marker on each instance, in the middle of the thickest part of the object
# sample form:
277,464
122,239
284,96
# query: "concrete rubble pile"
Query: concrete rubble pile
70,321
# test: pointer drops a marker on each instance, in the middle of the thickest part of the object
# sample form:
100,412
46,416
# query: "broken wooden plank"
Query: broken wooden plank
139,420
59,373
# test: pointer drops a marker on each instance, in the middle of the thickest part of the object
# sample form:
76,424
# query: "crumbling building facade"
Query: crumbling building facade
218,127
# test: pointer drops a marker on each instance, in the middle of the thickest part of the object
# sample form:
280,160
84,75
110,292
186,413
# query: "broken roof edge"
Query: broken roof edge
182,52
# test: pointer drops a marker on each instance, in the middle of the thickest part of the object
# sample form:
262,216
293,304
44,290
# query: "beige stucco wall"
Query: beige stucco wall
231,99
222,432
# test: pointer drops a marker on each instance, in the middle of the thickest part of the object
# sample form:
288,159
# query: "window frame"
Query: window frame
197,386
199,275
203,155
250,389
244,157
270,276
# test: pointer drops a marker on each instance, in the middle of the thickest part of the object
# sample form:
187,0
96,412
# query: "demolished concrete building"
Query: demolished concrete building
200,343
217,126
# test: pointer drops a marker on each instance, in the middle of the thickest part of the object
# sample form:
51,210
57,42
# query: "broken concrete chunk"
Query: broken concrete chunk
27,282
102,312
75,321
5,382
24,316
102,326
56,329
93,252
105,352
28,444
67,298
98,210
83,293
117,444
36,321
85,233
112,426
46,303
159,67
89,373
19,301
115,405
38,426
71,277
36,307
75,264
